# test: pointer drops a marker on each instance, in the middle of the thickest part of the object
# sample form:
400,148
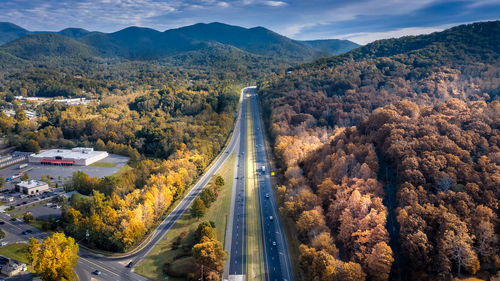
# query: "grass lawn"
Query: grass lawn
103,164
15,251
152,266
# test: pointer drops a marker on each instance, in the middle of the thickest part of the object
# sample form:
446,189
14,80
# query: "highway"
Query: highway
277,264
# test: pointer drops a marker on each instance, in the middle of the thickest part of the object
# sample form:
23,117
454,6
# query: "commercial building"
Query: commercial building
81,156
32,187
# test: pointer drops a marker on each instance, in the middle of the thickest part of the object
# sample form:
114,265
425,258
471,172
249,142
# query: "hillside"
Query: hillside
331,46
40,45
74,32
392,149
10,31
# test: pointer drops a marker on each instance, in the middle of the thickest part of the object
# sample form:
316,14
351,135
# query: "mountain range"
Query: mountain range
145,43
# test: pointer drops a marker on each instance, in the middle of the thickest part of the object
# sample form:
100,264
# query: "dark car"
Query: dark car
24,233
130,264
13,219
97,272
2,222
29,231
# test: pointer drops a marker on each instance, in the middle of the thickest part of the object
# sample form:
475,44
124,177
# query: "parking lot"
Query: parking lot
57,175
62,173
22,201
44,211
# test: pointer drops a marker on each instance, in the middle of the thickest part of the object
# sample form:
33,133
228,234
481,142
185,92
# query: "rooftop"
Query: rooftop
75,153
31,183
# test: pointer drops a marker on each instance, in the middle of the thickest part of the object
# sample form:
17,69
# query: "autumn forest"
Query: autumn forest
390,157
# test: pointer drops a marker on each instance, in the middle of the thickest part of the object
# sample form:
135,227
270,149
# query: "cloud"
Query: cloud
223,4
274,3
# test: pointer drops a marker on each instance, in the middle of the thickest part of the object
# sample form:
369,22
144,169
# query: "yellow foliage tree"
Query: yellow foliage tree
55,258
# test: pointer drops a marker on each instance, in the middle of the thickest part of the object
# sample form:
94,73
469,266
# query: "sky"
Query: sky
361,21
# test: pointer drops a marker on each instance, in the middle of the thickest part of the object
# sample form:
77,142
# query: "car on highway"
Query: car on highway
267,195
274,243
13,219
270,218
130,264
2,222
97,272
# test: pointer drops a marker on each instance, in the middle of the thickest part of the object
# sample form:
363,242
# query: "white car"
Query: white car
270,218
3,244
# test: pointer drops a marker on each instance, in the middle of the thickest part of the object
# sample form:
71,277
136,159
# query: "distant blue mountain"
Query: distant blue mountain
146,43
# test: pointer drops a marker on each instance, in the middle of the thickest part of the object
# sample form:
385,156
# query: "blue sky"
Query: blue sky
361,21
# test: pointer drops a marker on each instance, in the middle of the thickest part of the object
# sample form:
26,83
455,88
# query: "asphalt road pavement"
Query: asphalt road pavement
277,264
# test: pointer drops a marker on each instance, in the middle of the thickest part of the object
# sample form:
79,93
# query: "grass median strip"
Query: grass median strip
103,165
152,266
255,263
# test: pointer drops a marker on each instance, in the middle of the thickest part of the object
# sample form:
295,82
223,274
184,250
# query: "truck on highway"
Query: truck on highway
22,166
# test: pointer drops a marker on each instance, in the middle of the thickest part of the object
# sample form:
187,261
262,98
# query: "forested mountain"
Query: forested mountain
146,43
257,40
47,45
331,46
389,156
74,32
10,31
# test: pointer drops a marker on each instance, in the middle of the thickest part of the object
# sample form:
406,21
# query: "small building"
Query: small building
32,187
81,156
13,268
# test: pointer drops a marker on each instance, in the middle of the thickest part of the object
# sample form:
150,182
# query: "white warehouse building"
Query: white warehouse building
80,156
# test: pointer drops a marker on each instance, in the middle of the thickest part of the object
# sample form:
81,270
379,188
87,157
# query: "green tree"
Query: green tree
28,217
198,209
25,177
204,229
54,259
208,196
2,182
219,180
32,146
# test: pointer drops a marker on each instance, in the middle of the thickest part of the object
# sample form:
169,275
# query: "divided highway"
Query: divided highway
277,264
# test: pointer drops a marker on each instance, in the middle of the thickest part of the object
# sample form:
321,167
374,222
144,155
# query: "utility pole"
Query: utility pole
202,272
